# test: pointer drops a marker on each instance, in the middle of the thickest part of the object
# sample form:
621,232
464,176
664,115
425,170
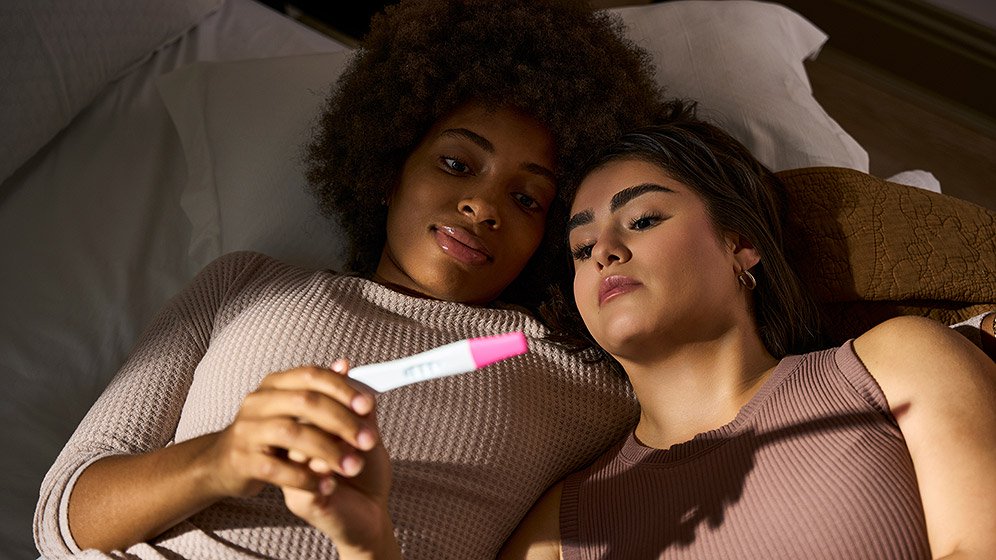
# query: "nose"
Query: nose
610,249
480,207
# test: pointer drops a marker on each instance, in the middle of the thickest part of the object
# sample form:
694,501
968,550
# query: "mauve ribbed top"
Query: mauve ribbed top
814,466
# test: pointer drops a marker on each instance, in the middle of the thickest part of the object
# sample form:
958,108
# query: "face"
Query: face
649,265
470,207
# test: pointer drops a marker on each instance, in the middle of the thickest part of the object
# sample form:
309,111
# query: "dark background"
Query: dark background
915,85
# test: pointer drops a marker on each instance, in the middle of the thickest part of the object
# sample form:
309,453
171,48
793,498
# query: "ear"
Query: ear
744,254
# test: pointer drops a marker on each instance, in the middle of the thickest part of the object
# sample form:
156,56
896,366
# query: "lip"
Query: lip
462,245
615,285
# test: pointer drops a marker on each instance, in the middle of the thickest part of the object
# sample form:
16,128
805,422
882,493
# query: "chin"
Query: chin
622,334
458,288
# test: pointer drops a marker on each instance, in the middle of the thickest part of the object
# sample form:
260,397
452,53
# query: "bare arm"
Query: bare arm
177,481
103,511
538,535
942,390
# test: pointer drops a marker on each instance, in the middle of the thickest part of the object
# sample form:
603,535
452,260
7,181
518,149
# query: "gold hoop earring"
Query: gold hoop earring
747,280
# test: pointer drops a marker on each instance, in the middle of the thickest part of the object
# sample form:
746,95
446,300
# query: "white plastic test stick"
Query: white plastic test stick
450,359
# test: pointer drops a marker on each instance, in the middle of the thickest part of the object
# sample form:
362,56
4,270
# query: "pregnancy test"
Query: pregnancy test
451,359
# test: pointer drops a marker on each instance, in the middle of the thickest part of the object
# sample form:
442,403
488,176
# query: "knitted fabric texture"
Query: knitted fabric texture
470,453
813,466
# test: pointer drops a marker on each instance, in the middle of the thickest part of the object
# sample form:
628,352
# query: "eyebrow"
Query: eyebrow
619,200
486,145
474,137
537,169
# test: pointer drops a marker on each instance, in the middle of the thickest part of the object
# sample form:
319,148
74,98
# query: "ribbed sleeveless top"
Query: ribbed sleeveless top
813,466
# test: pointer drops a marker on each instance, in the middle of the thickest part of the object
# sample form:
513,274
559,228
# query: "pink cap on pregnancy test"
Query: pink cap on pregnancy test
490,349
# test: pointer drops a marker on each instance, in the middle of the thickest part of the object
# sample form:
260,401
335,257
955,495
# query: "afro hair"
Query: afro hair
559,61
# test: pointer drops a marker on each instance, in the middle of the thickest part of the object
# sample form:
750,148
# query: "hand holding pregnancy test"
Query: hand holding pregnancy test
450,359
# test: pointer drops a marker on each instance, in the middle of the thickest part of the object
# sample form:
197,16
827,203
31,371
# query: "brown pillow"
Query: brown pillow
869,250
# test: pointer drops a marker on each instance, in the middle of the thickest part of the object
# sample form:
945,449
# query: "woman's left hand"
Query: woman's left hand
351,510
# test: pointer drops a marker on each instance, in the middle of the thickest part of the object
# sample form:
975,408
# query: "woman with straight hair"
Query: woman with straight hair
753,441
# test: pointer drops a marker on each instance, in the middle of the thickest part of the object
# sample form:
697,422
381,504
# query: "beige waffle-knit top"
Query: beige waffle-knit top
471,453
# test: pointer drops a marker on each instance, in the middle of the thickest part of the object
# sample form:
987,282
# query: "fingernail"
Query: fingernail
351,465
320,466
361,404
339,365
366,439
297,456
326,486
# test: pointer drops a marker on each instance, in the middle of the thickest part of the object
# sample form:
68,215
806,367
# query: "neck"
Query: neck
397,287
696,387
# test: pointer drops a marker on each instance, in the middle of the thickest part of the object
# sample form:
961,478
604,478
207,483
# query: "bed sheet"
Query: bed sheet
93,241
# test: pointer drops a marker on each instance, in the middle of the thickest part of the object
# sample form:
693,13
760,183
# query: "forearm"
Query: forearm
123,500
385,548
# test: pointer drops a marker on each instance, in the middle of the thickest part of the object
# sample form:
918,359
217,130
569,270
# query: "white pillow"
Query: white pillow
57,55
917,178
743,62
243,124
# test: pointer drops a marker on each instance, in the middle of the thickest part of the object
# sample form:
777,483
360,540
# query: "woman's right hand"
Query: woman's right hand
307,412
310,412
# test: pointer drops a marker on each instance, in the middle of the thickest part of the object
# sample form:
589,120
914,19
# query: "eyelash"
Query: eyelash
653,217
532,205
449,162
582,252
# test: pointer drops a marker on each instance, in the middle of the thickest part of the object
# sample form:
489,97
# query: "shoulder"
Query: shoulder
538,535
927,370
914,347
229,266
910,355
242,267
235,279
242,260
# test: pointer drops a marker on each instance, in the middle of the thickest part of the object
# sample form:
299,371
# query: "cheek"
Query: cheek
398,218
418,186
526,236
535,237
410,203
702,252
584,292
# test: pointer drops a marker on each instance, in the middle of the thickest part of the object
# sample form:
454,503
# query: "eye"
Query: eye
645,221
581,252
527,202
454,165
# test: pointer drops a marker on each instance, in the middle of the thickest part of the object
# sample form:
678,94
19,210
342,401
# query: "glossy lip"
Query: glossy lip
462,245
615,285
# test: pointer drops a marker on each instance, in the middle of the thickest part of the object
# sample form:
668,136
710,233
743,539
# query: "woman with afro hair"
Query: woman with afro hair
565,68
446,149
